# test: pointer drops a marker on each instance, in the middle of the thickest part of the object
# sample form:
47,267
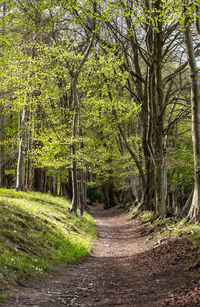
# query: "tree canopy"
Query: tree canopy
95,100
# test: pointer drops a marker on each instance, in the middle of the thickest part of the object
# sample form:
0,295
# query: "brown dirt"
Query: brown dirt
124,269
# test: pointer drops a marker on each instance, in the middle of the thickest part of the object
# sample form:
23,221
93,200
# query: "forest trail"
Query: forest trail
124,269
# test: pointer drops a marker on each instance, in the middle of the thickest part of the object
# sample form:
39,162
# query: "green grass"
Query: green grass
169,226
2,299
37,232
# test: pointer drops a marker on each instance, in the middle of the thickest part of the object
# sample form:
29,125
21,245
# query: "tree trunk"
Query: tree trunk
2,161
105,190
51,191
186,208
194,212
160,191
22,135
109,193
83,192
28,162
21,153
56,186
68,186
3,176
74,204
43,181
37,179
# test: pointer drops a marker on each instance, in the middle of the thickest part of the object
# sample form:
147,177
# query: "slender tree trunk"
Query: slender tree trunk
68,185
43,181
3,176
47,188
22,135
28,163
83,194
75,197
105,190
21,153
56,186
2,161
82,181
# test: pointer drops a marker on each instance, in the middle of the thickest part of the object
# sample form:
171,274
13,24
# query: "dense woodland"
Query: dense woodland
100,101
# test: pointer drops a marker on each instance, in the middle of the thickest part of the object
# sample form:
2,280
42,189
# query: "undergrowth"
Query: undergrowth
37,232
169,226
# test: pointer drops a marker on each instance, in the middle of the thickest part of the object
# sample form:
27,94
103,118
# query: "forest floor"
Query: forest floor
125,268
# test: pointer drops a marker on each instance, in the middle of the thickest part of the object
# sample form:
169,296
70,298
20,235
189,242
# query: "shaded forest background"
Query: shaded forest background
98,99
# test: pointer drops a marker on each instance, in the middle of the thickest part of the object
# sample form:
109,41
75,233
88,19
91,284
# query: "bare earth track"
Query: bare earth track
124,269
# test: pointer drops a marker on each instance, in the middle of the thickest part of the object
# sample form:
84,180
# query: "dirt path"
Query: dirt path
124,269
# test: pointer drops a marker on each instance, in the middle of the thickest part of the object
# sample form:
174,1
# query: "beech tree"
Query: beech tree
194,212
146,64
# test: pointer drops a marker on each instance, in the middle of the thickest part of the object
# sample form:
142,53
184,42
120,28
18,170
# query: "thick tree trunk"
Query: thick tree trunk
160,191
186,208
153,120
148,201
194,212
37,179
109,193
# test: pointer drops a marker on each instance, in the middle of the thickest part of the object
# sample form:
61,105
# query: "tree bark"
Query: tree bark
194,212
3,176
22,134
75,196
186,208
83,192
21,153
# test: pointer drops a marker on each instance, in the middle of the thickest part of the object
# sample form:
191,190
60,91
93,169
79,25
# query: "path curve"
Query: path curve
124,269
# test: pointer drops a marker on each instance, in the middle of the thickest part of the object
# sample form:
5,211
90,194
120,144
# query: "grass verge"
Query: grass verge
169,226
37,232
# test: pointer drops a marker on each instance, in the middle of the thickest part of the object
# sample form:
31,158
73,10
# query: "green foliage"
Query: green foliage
2,299
94,193
108,86
37,232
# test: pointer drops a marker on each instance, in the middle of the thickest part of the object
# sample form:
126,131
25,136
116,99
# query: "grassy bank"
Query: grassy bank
37,232
165,227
